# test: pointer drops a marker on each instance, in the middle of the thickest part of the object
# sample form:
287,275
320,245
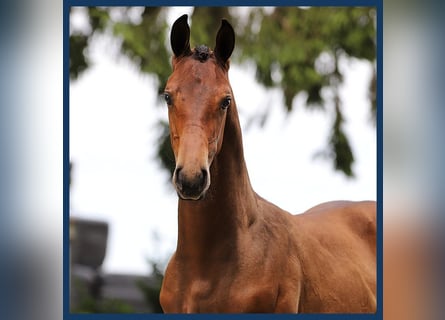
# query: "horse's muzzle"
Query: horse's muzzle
191,186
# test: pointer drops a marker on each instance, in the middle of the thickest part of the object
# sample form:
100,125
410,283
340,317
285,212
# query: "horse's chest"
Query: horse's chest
198,296
226,295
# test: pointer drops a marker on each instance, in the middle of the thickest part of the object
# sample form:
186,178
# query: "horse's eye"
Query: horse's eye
226,102
168,98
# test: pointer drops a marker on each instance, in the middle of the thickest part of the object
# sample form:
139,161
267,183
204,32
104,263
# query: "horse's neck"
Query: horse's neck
213,225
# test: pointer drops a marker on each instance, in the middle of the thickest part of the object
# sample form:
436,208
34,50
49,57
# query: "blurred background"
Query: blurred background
31,149
305,84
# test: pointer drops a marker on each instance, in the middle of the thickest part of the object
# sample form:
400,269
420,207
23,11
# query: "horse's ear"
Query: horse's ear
225,42
180,37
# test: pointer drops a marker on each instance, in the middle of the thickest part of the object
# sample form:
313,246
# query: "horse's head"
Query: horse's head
198,94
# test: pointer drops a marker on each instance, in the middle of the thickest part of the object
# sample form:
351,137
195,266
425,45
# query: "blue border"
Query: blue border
253,3
66,164
378,4
379,34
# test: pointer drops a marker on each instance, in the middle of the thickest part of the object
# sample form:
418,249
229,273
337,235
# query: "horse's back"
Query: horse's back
337,251
346,219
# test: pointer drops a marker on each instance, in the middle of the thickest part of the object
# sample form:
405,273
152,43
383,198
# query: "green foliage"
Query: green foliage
90,304
78,62
290,40
286,44
79,41
145,43
205,23
151,292
340,148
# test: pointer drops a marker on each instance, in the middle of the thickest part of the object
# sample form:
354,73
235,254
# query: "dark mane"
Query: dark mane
202,53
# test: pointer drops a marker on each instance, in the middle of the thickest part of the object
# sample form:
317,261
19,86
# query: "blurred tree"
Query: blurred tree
92,303
294,49
151,292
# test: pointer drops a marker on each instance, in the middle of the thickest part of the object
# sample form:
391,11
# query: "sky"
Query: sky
116,177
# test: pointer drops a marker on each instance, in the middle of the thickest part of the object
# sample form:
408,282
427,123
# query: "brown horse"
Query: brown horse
237,252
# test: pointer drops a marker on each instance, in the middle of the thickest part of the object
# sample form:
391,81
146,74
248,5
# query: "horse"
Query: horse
236,252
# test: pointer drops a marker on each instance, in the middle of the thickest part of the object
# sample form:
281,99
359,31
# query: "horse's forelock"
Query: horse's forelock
202,53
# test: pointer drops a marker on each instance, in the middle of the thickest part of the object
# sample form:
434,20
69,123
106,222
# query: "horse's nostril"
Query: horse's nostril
190,184
203,177
178,177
